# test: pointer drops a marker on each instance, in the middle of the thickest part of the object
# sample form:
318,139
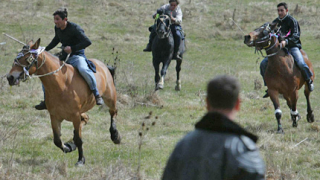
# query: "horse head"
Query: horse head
26,63
260,37
163,26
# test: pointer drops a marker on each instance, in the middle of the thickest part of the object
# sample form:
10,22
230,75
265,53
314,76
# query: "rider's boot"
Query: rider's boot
266,95
148,48
41,106
176,56
310,85
99,100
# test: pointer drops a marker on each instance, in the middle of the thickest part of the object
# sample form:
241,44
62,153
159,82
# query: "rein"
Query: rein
162,18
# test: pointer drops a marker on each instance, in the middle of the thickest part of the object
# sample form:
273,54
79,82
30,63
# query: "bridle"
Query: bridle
33,60
267,38
162,18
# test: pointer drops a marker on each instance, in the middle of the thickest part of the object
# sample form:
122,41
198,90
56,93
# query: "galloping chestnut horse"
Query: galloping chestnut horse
282,76
67,95
162,51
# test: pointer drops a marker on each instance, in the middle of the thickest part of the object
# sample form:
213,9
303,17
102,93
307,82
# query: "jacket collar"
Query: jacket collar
217,122
282,19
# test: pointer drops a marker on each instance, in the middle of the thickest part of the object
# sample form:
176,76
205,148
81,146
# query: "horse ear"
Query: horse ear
36,44
30,43
273,25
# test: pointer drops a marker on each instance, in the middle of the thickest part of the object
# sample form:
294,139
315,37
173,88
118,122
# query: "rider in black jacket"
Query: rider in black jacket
290,30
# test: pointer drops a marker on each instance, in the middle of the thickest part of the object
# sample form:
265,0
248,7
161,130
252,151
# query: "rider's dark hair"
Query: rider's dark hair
285,5
62,12
176,1
223,92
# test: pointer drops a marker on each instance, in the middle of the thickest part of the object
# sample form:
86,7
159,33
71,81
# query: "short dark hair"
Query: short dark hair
223,92
177,1
285,5
62,12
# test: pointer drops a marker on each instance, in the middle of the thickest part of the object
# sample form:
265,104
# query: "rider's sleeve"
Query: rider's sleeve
84,40
178,16
53,42
294,37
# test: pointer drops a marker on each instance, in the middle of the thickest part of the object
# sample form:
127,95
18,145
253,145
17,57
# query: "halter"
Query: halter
162,18
31,61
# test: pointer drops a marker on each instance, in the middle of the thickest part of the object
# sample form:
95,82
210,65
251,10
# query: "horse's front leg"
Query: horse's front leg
310,116
178,69
156,65
278,113
56,128
295,117
164,69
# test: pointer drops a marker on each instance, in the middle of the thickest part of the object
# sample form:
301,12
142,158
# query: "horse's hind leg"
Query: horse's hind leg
77,139
310,116
178,69
115,136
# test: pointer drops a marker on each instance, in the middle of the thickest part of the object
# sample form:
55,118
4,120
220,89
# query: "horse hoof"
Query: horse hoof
294,124
69,147
310,118
80,162
160,86
178,87
115,137
280,131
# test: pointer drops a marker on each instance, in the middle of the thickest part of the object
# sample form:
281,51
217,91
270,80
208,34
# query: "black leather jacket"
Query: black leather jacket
217,149
291,30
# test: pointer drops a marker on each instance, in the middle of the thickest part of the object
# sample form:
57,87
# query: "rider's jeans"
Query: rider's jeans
79,62
298,58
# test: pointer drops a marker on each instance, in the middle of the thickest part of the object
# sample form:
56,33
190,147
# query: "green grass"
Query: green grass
215,46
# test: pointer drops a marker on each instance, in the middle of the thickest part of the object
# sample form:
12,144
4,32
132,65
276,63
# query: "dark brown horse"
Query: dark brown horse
282,76
67,95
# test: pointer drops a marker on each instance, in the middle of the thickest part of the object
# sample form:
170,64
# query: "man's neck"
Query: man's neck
231,114
65,25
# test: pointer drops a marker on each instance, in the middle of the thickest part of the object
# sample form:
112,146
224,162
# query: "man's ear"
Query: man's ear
237,106
207,104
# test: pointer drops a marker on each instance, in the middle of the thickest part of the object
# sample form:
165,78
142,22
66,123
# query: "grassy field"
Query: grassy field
214,46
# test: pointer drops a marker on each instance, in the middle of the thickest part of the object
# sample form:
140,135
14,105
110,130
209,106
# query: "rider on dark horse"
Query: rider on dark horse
290,31
174,10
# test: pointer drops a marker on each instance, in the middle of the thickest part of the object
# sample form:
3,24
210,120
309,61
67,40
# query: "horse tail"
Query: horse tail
112,70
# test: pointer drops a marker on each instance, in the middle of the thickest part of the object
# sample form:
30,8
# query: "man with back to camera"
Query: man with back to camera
290,30
74,41
218,148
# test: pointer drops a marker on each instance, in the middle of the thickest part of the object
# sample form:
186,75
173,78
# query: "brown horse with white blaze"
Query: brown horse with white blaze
67,95
282,75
